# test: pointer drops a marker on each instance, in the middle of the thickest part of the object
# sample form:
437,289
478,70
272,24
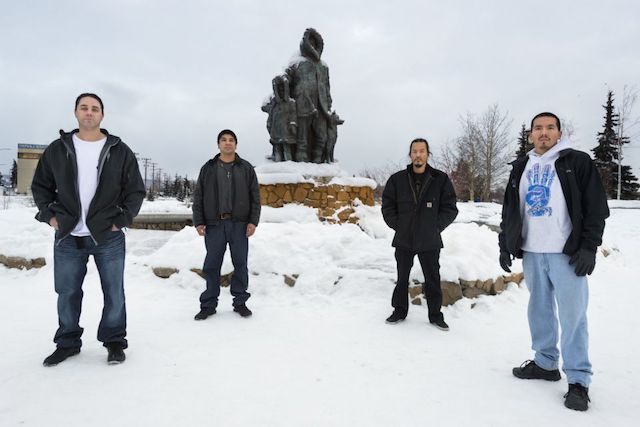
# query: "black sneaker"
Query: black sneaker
441,324
204,313
60,355
242,310
577,397
396,317
530,371
116,353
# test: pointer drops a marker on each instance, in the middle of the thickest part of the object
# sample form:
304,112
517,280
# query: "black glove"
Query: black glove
585,262
505,261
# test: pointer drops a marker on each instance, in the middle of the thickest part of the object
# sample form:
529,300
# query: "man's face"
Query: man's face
419,154
227,144
89,113
544,134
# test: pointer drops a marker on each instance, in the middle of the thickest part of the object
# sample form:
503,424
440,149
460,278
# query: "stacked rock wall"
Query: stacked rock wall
334,202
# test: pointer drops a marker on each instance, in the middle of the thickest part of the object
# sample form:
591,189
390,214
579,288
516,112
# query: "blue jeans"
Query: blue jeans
216,239
552,280
70,256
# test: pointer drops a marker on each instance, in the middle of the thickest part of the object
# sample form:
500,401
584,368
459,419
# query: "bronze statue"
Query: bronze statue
315,124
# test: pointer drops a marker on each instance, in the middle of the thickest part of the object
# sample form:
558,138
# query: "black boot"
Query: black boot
60,355
204,313
396,317
440,324
530,371
577,397
242,310
116,353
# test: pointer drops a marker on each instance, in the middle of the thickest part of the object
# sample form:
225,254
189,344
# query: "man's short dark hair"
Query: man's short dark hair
419,140
546,114
90,95
227,132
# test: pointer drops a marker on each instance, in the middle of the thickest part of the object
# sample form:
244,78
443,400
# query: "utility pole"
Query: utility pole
153,175
146,161
159,185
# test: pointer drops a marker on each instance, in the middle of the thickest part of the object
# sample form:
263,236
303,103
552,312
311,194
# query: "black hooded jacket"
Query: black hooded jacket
118,196
418,219
586,203
246,194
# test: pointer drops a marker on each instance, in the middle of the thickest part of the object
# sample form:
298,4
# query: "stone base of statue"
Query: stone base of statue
325,187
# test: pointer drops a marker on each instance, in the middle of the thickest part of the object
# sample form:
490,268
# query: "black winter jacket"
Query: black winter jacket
246,194
586,203
118,196
418,219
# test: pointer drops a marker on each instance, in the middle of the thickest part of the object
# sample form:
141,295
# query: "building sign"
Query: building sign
31,146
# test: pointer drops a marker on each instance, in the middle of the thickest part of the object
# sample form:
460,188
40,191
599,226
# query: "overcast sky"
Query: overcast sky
174,73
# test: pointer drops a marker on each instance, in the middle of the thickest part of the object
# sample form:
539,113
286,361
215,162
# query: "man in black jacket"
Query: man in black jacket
418,203
88,187
555,226
226,210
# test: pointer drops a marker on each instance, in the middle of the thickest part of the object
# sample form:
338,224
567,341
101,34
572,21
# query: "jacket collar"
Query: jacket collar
237,160
67,139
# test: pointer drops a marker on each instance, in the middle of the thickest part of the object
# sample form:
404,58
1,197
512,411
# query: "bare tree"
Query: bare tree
478,159
468,150
569,130
627,124
494,147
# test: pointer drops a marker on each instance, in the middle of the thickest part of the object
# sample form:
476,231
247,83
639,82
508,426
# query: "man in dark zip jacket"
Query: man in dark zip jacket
87,186
226,210
418,203
553,218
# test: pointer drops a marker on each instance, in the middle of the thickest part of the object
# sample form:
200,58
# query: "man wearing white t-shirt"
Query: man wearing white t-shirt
553,218
87,186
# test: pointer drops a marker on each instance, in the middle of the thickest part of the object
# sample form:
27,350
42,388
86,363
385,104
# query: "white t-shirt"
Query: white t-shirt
87,156
546,225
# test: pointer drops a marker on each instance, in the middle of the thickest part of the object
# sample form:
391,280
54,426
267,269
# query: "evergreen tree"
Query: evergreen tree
524,146
151,195
14,174
166,190
178,189
606,152
1,180
630,185
186,188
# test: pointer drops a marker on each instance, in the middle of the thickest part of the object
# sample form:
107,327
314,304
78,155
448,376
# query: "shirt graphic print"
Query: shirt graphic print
539,191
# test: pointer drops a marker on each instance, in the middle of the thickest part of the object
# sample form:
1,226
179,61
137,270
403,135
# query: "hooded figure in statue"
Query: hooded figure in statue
309,79
281,122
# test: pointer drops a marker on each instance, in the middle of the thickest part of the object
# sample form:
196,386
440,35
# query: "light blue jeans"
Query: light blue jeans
557,293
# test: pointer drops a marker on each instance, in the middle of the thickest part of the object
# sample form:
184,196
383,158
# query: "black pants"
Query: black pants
430,263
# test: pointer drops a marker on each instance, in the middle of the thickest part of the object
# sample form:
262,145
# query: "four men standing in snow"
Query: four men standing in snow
88,187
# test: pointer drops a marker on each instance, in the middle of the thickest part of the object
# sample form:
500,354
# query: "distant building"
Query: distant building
28,156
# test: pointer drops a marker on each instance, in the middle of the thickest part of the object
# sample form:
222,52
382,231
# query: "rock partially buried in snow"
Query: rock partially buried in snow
164,272
451,292
21,262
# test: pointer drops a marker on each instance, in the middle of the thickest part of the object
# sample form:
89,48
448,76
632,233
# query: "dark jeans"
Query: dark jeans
430,263
216,239
70,256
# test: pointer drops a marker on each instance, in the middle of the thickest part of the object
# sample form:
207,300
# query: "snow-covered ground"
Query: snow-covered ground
316,354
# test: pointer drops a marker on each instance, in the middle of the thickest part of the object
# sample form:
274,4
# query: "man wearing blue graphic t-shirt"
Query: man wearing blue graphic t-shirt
553,218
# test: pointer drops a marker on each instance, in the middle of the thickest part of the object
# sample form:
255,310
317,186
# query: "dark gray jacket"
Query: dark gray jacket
418,219
246,194
118,196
